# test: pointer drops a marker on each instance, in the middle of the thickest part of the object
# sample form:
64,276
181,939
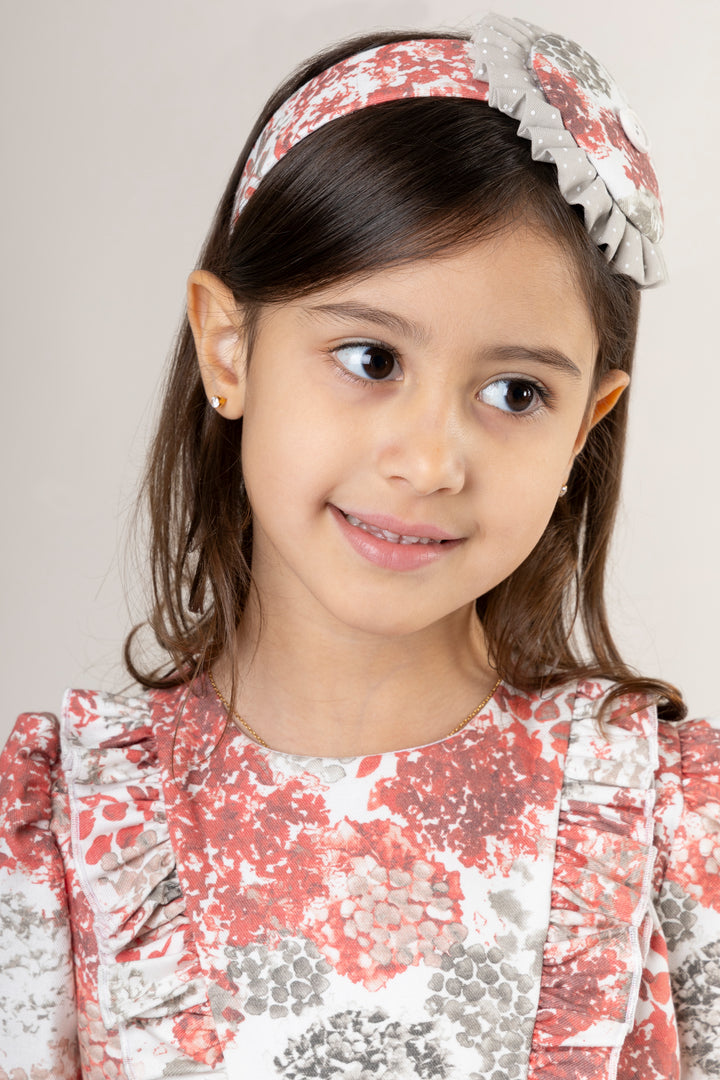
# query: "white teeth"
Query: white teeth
385,534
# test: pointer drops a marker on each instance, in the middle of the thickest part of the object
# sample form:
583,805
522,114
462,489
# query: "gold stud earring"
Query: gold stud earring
563,490
216,401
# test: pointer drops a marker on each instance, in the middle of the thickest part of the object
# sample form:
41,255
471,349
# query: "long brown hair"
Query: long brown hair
389,184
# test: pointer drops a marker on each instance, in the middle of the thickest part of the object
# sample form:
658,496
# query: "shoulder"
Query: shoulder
29,766
95,720
43,748
29,758
90,715
613,739
114,741
603,706
692,748
688,774
688,783
685,755
692,733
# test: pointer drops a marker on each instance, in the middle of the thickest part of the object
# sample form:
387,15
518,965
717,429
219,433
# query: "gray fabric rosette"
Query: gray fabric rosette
576,117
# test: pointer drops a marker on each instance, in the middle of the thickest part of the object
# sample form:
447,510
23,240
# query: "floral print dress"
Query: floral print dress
531,897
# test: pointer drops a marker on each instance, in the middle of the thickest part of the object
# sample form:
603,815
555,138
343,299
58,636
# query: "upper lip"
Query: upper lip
402,528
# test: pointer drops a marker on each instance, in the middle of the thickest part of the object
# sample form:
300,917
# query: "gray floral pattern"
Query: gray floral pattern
486,997
34,945
287,979
677,913
696,992
357,1045
569,55
269,923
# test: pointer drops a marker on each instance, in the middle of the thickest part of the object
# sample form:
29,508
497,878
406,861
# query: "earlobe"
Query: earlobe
215,323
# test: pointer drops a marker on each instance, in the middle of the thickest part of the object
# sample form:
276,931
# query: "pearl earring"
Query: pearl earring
216,401
563,490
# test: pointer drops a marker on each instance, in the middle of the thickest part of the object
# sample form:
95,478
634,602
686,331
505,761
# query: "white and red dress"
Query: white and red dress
532,897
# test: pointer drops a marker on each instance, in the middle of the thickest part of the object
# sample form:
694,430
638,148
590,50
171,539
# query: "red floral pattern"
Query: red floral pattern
403,69
270,916
696,867
596,127
564,102
484,804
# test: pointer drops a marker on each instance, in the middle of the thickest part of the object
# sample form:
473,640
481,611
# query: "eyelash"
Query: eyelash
544,396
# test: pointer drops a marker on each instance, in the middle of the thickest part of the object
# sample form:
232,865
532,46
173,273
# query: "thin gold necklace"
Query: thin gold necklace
473,714
258,738
238,717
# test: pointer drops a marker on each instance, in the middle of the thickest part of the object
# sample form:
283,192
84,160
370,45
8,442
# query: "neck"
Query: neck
329,691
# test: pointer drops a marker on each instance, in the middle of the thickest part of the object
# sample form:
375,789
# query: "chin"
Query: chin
375,620
377,625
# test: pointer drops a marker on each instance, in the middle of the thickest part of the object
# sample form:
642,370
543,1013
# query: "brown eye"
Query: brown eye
369,361
520,396
513,395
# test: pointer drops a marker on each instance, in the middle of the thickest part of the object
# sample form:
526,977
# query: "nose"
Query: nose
424,446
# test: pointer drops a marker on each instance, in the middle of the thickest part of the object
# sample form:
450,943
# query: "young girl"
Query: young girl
394,806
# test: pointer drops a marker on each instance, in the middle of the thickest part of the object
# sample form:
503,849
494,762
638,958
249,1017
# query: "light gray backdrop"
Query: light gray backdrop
121,120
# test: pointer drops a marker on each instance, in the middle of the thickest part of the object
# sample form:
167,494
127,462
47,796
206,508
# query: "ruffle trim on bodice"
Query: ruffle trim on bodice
149,968
599,922
152,986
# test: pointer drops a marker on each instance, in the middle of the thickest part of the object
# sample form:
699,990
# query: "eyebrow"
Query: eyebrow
543,355
352,310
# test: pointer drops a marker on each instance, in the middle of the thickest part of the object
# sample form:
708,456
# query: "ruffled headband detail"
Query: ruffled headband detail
575,116
565,103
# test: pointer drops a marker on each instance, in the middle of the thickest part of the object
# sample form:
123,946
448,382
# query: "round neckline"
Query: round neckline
324,760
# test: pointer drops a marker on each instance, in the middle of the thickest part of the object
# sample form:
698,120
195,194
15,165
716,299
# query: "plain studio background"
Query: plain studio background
121,122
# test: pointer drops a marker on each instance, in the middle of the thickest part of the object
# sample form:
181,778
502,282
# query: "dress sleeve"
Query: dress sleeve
38,1026
689,901
676,1030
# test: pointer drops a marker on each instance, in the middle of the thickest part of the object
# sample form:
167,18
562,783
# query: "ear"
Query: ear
217,330
612,385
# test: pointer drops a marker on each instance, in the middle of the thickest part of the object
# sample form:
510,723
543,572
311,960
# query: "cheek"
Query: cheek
266,464
531,468
262,452
284,449
523,522
524,489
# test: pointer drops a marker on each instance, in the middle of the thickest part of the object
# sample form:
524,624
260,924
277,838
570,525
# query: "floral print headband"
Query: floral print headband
566,104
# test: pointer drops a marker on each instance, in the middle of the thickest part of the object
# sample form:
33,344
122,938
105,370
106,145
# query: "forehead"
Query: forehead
521,253
515,287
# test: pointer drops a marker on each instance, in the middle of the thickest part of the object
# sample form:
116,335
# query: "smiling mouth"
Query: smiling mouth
386,534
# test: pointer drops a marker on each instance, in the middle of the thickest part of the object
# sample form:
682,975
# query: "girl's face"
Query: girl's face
406,435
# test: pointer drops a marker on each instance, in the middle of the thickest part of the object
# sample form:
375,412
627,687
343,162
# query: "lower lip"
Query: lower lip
388,555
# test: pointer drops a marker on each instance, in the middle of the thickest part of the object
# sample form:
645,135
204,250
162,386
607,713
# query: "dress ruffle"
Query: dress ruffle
599,923
153,989
149,969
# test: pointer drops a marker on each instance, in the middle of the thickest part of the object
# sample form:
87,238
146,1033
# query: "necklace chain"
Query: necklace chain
473,714
237,715
251,731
